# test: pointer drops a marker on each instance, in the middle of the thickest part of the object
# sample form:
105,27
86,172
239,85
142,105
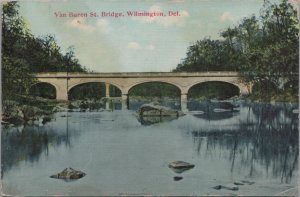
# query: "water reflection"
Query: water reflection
217,115
26,144
267,137
29,142
171,103
149,120
261,141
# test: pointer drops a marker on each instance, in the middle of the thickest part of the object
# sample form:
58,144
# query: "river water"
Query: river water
124,155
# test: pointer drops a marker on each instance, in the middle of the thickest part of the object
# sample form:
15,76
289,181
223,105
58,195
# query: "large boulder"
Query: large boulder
69,173
180,166
153,109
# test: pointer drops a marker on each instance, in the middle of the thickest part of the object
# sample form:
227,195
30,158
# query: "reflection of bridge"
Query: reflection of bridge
125,81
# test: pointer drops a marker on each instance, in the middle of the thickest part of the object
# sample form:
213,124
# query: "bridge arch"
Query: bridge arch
223,89
140,82
37,90
243,89
74,83
94,90
59,84
155,89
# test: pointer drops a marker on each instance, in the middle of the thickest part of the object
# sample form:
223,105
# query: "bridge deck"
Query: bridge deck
136,74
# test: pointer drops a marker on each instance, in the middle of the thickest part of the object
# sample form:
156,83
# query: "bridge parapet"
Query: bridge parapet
137,74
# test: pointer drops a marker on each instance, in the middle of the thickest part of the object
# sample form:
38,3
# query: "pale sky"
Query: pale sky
134,44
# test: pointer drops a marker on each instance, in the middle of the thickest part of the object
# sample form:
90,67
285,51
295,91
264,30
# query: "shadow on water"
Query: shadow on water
171,103
209,108
267,138
29,143
217,115
149,120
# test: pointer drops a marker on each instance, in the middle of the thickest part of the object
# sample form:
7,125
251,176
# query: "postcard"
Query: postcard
150,98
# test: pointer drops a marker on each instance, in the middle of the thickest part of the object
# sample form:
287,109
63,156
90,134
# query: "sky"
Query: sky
133,44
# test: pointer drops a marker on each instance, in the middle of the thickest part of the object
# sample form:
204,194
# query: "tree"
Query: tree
15,69
207,55
272,52
263,48
23,54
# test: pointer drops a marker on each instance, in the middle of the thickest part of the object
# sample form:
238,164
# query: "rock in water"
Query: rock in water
177,178
228,187
180,166
69,173
218,187
248,182
238,183
157,110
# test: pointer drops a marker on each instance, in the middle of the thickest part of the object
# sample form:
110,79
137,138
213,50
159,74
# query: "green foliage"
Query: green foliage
15,69
155,89
92,91
214,89
207,55
87,91
272,53
44,90
261,49
23,54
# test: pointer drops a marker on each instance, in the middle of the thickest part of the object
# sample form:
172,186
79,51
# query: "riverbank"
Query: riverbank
28,110
31,110
24,109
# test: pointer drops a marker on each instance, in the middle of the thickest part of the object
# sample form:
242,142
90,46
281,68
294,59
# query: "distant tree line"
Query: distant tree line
262,49
24,54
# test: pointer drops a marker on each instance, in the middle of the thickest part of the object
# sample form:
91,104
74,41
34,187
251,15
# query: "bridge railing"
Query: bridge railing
138,74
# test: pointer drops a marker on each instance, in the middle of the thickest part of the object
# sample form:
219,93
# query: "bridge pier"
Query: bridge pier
107,105
107,90
61,95
183,102
125,101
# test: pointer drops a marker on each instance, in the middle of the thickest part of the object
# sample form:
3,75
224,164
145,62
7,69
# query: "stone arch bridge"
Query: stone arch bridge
64,82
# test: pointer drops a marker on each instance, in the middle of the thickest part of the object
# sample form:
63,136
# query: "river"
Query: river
124,155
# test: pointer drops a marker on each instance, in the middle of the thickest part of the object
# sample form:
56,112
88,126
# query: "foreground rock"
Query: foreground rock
238,183
153,109
177,178
228,187
180,166
69,173
248,182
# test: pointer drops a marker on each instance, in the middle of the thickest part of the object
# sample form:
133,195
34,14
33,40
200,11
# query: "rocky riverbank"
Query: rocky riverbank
17,113
31,110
